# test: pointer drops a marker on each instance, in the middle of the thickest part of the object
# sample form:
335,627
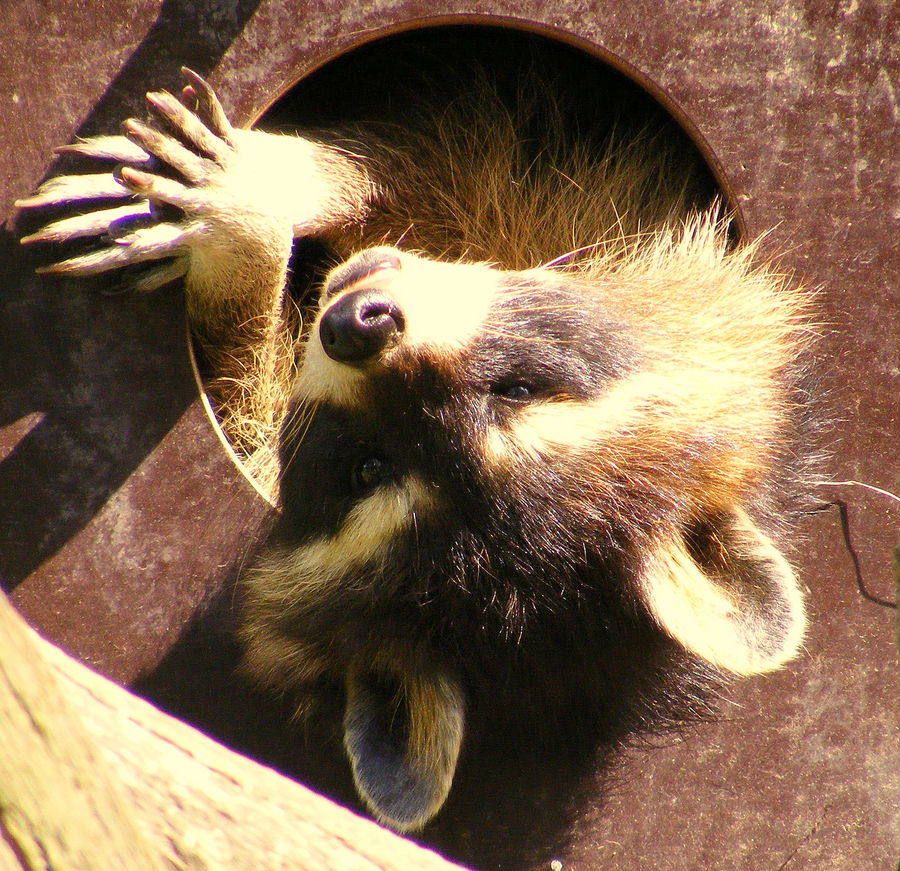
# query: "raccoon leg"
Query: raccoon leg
220,207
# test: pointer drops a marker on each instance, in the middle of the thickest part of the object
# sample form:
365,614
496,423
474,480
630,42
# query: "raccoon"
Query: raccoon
534,435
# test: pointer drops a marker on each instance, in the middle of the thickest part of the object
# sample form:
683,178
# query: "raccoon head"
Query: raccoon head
487,474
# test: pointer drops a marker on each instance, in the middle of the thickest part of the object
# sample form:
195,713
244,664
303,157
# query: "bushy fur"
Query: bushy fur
546,504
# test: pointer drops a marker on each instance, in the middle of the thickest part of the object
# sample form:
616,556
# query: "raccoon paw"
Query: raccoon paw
176,175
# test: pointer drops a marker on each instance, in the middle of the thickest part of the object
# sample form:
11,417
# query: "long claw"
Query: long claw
151,243
187,125
169,150
164,274
71,188
159,189
209,109
91,224
118,148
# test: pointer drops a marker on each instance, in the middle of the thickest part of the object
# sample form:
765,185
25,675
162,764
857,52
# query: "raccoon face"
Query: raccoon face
483,474
414,372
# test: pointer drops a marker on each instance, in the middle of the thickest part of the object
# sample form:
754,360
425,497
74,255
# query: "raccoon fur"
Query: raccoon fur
534,436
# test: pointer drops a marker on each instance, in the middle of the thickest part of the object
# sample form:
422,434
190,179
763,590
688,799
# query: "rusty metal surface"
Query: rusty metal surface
120,513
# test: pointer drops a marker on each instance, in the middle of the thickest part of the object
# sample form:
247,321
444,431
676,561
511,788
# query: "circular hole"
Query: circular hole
580,103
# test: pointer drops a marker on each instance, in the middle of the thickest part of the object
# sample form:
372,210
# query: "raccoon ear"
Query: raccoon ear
403,735
726,594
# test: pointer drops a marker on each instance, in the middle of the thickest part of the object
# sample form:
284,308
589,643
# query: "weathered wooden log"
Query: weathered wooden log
94,778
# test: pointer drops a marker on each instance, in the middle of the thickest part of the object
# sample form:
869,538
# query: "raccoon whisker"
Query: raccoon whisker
540,340
571,181
870,487
563,257
527,308
300,418
296,431
403,235
298,423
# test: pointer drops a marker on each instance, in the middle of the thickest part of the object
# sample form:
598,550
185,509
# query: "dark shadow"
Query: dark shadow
511,807
95,381
844,519
103,379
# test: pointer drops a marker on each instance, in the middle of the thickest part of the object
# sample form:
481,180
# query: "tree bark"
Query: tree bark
94,778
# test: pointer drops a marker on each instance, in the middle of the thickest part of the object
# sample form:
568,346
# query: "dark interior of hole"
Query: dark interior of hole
374,84
518,818
373,81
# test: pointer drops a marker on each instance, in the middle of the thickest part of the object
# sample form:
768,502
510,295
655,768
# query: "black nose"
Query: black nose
360,325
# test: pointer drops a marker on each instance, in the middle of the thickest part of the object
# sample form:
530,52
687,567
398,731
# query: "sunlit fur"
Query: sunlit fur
616,529
630,498
462,183
431,325
727,622
551,508
293,574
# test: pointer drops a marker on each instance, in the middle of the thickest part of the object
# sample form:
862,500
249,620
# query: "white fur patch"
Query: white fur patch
671,406
546,428
444,305
280,175
322,379
367,530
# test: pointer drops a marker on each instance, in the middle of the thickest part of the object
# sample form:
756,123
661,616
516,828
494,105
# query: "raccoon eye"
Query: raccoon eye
514,391
369,473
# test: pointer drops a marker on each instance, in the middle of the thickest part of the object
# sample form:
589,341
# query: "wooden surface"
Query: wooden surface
94,779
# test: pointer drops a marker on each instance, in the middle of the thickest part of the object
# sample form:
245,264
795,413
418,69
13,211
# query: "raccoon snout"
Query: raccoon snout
361,325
